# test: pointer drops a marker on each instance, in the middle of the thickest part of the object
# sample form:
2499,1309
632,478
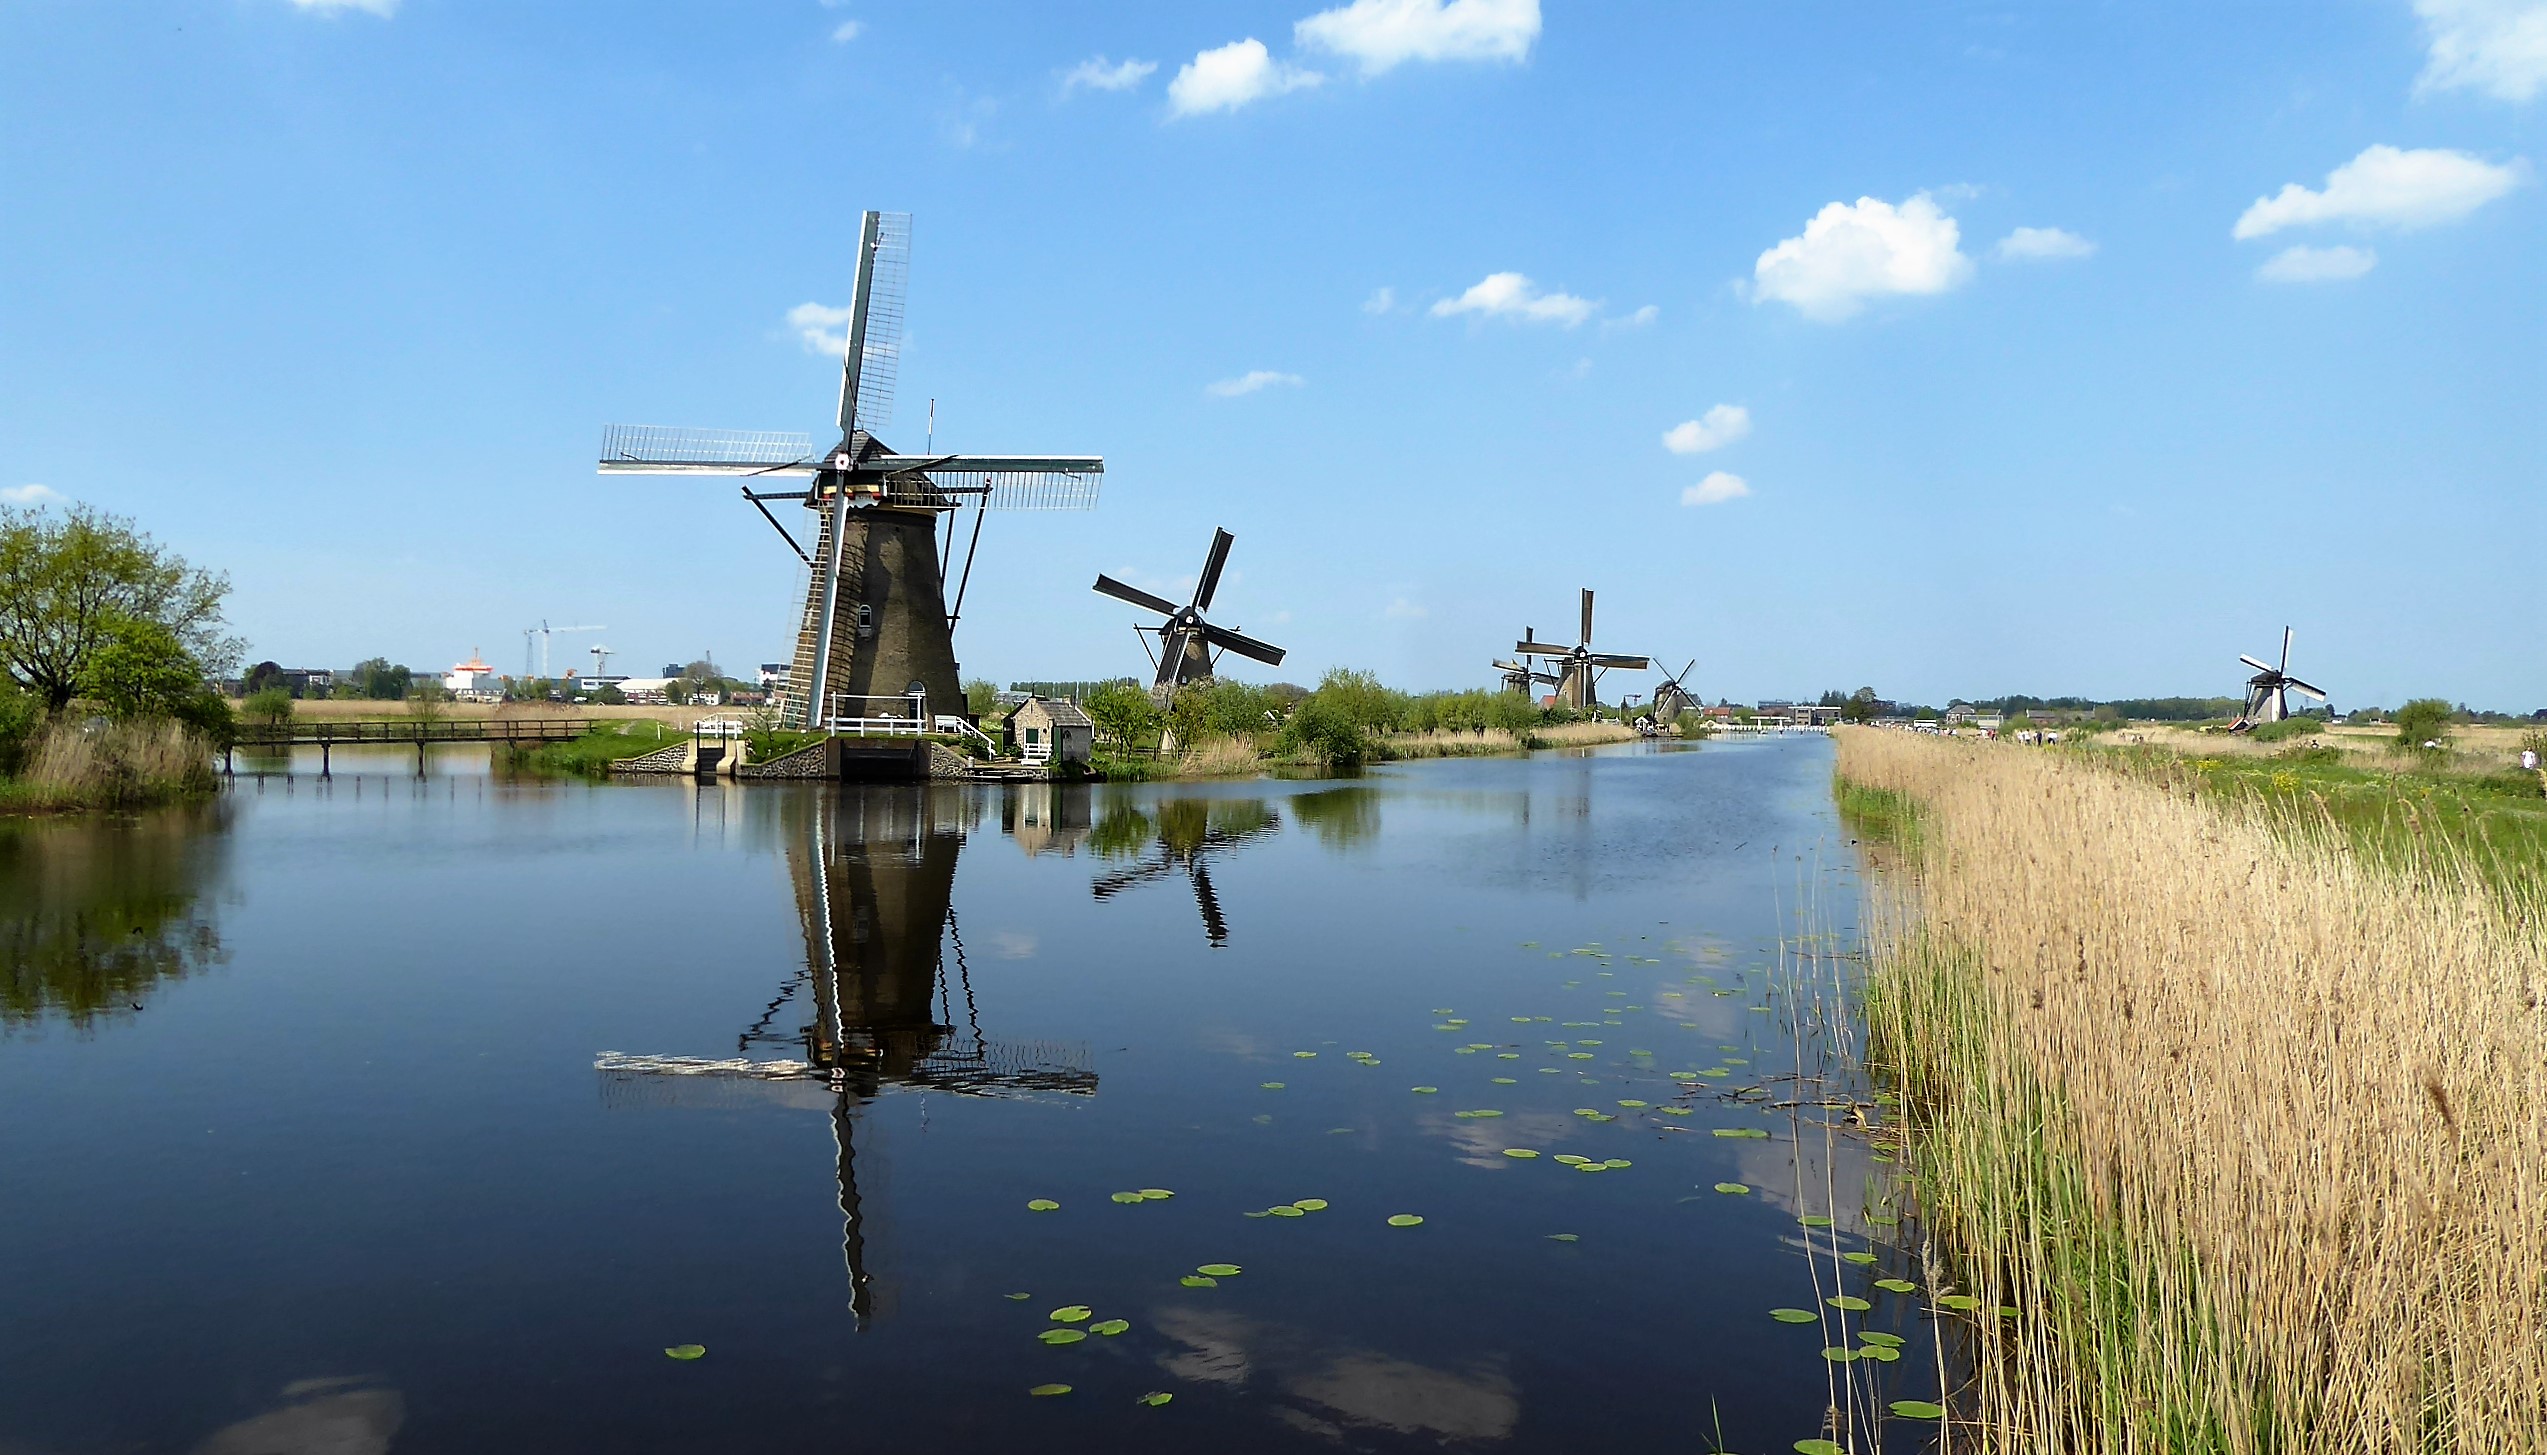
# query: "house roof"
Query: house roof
1063,713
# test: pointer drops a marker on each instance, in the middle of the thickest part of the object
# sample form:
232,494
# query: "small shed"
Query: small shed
1044,730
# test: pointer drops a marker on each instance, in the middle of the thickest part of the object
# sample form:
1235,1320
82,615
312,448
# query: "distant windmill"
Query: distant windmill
1186,640
1581,667
2268,691
1521,674
1673,698
876,623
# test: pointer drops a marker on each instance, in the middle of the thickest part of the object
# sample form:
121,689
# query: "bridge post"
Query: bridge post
325,745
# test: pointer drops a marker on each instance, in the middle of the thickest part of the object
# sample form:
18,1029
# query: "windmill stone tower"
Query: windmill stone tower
877,635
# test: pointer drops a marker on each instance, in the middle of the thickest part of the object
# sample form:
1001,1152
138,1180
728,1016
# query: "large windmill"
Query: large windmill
1190,831
2268,691
1186,640
1672,697
876,627
1580,668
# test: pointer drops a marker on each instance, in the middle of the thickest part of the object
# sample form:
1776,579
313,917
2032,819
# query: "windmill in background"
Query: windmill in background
1186,640
1521,674
2268,691
876,623
1672,697
1580,667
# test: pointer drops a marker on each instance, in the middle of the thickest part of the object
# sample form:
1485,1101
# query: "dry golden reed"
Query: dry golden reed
115,765
2249,1133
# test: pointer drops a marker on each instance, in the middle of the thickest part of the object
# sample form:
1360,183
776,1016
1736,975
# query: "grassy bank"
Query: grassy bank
74,766
591,755
2234,1134
1238,757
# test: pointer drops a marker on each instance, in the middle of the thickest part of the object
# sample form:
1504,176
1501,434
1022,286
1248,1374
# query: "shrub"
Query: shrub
2424,720
21,716
270,706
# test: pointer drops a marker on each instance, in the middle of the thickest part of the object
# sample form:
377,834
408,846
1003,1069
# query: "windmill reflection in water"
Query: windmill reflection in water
873,872
1180,835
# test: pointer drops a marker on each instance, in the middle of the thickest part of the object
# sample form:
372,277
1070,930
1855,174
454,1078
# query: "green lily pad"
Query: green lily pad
685,1352
1919,1409
1572,1159
1565,1237
1259,1213
1839,1355
1129,1197
1018,1297
1735,1188
1848,1301
1889,1341
1062,1336
1795,1316
1109,1327
1860,1259
2007,1313
1304,1055
1076,1313
1310,1204
1286,1210
1270,1085
1043,1204
1042,1391
1197,1280
1219,1270
1739,1132
1403,1220
1881,1353
1814,1220
1962,1303
1155,1398
1481,1113
1423,1090
1896,1285
1507,1081
1616,1163
1818,1447
1520,1153
1590,1166
1715,1073
1634,1104
1156,1194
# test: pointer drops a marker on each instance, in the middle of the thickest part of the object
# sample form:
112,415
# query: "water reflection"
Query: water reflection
1335,1392
873,872
317,1417
94,913
1185,834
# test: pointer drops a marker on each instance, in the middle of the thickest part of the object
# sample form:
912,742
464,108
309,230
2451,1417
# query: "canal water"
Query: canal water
428,1114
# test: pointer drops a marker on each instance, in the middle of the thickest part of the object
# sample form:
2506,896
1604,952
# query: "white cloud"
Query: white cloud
1230,77
2317,265
1404,610
1380,301
848,30
28,495
1714,430
2385,187
1850,252
1099,74
382,8
2498,47
1509,295
824,330
2041,245
1250,382
1384,34
1641,318
1716,489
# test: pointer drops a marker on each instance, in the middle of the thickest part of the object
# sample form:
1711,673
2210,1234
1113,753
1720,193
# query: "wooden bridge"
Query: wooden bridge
326,734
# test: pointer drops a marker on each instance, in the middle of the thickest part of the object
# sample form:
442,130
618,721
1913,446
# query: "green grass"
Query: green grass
1879,814
2400,817
591,755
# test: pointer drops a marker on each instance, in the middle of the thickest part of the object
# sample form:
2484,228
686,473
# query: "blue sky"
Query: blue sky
1722,309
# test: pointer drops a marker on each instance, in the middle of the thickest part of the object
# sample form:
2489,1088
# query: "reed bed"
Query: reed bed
2239,1138
1580,734
1220,758
112,765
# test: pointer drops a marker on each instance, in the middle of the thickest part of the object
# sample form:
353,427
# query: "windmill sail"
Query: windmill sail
656,449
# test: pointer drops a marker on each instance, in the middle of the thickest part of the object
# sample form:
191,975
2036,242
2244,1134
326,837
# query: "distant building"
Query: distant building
473,681
1044,730
646,691
773,674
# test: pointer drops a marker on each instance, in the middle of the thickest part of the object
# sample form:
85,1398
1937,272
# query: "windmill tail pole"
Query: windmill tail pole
981,507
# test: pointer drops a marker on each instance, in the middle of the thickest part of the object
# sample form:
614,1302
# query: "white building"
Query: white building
473,681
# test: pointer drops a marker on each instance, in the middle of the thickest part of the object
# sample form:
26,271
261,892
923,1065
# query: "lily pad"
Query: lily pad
1076,1313
1795,1315
1219,1270
1565,1237
1110,1327
685,1352
1423,1090
1962,1303
1739,1132
1018,1297
1310,1204
1197,1280
1889,1341
1848,1301
1304,1055
1818,1447
1403,1220
1481,1113
1286,1210
1523,1154
1042,1391
1881,1353
1062,1336
1634,1104
1043,1204
1270,1085
1572,1159
1616,1163
1838,1355
1155,1398
1919,1409
1129,1197
1860,1259
1896,1285
1591,1166
1735,1188
1814,1220
1507,1081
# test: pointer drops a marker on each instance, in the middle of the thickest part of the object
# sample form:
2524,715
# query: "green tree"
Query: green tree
376,680
1123,714
69,584
2424,720
1859,706
271,706
21,714
425,699
981,697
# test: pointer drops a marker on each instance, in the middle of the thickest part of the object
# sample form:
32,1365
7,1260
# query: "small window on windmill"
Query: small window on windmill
866,620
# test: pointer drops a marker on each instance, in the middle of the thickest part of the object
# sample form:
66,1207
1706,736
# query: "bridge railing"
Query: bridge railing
410,731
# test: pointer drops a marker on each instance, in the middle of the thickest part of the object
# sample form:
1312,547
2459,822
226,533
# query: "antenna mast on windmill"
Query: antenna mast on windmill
876,623
1186,640
2268,691
1580,671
